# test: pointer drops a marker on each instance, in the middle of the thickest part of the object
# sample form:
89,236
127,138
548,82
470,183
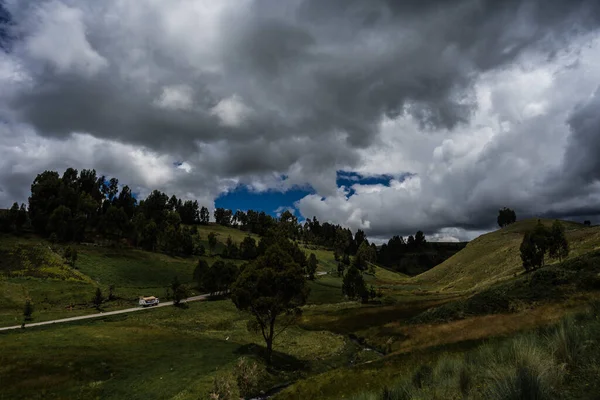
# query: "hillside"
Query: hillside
32,267
495,256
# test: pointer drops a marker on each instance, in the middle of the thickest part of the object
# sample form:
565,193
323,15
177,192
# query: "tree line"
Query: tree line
81,206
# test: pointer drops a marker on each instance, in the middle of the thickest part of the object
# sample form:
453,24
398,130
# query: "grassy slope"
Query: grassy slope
495,256
54,286
29,268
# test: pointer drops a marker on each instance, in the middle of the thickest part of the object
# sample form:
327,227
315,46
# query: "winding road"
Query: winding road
104,314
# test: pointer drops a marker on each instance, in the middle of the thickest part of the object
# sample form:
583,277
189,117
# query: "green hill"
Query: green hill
495,256
32,267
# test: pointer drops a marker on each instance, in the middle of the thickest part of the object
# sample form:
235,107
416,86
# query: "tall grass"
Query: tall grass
535,366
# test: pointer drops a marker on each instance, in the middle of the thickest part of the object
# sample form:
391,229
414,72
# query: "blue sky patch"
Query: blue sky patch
273,201
270,201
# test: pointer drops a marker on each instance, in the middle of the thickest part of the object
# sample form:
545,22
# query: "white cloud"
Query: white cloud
231,111
177,97
59,38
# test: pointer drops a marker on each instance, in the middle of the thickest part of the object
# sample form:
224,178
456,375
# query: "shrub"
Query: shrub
98,298
248,375
28,310
224,388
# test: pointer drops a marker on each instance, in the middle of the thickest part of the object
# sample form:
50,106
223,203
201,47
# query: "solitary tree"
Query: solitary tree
179,290
506,216
272,287
559,246
587,222
312,266
28,310
98,298
354,285
212,242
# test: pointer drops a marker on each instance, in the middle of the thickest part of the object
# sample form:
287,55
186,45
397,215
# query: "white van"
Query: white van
148,301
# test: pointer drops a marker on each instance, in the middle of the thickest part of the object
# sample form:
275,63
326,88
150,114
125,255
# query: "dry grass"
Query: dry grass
418,337
495,256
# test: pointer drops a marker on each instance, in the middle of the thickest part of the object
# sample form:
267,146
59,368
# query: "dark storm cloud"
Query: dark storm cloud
582,161
248,90
307,68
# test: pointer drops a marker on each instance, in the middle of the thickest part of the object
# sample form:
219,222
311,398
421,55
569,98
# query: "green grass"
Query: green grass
132,267
223,232
495,257
163,353
552,283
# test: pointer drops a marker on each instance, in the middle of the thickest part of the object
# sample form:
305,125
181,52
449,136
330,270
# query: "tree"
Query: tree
28,310
420,239
231,249
506,216
359,238
111,292
312,266
180,291
200,271
587,222
534,246
364,256
219,277
222,216
204,216
98,298
559,246
212,242
272,287
248,250
59,223
70,255
354,286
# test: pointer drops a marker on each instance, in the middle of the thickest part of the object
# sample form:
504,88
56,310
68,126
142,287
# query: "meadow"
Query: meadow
477,328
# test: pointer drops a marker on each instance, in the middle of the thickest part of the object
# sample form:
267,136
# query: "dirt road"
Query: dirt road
103,314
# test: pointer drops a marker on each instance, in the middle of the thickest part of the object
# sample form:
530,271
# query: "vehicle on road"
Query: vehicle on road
148,301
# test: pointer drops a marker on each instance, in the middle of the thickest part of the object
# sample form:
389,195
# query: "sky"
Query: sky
387,116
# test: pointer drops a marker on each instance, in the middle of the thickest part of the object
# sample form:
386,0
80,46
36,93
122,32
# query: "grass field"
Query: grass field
33,268
332,352
164,353
495,256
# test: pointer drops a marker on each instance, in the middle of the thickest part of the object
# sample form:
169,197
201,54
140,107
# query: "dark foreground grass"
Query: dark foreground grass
556,362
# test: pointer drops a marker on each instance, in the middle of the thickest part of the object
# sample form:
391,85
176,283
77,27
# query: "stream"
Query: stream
276,389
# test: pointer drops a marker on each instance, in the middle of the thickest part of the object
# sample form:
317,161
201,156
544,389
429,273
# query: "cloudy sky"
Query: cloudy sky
389,116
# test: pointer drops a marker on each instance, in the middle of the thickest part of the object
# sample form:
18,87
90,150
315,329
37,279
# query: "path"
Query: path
103,314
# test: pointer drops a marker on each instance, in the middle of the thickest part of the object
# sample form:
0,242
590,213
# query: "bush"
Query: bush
28,310
248,375
224,388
